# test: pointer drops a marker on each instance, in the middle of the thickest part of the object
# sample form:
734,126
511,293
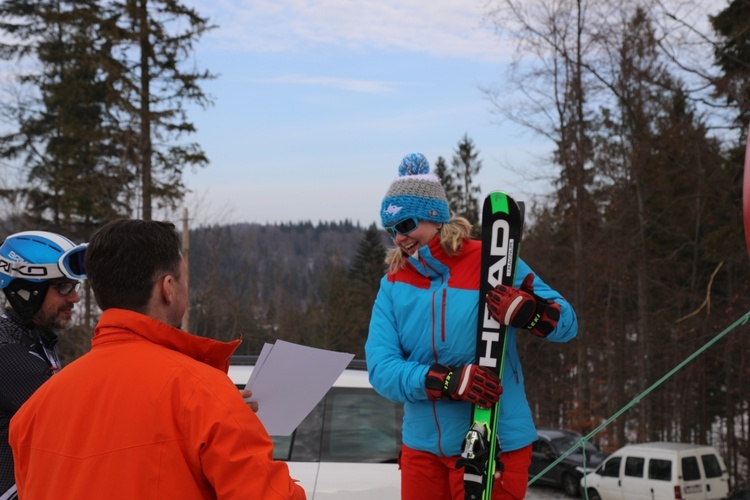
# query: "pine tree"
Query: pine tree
733,56
65,133
111,82
465,166
364,275
448,183
157,40
368,265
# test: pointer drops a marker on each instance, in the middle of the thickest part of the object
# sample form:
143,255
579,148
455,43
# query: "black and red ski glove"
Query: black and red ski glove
473,383
522,308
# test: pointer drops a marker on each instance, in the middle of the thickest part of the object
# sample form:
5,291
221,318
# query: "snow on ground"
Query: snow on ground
545,493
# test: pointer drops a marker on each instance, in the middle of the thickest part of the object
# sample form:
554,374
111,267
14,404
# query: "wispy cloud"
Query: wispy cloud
436,27
351,85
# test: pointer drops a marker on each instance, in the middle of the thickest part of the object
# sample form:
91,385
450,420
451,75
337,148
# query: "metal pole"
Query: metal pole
186,256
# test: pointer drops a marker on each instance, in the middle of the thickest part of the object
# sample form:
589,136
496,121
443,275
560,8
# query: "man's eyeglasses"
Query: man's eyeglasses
65,288
404,227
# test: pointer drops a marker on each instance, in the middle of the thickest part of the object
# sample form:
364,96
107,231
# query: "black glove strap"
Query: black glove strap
541,306
437,380
545,318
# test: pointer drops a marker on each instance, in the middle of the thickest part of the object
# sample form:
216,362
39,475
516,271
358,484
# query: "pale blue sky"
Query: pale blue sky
317,102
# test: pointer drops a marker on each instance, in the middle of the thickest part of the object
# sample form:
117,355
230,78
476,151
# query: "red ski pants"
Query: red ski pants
425,476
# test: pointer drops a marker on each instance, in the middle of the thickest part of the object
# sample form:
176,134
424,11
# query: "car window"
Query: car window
282,446
304,444
660,470
563,444
348,425
634,466
711,465
361,426
611,468
690,471
545,448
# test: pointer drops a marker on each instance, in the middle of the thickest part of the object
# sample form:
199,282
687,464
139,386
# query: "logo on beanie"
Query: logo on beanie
393,209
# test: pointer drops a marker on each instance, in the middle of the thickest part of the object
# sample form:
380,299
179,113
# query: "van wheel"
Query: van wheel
594,495
569,485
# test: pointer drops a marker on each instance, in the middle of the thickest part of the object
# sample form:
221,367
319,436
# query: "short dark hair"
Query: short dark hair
124,259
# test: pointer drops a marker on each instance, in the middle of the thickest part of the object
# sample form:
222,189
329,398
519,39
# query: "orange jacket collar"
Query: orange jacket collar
121,324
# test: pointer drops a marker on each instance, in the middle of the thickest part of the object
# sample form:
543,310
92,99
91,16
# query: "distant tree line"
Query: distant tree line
312,285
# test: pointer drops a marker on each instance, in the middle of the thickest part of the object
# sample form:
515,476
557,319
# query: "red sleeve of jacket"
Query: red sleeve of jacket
234,447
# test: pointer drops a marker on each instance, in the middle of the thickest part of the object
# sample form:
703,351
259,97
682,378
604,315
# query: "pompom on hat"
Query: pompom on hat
415,193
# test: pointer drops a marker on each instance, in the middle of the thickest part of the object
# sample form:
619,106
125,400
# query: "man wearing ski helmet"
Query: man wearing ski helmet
40,273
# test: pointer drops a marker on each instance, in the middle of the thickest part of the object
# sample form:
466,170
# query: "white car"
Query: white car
659,471
348,446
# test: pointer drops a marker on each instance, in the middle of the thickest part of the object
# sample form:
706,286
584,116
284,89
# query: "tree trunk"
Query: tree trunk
145,111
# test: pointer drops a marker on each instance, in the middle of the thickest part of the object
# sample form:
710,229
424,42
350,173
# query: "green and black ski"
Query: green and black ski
502,226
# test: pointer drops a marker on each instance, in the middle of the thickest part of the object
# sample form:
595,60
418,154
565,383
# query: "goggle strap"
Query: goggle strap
24,270
70,265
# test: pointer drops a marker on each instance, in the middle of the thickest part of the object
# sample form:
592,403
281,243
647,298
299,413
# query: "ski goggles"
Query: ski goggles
70,265
404,227
71,262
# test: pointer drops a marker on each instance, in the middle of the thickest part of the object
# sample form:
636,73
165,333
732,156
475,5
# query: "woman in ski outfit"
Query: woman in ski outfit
421,346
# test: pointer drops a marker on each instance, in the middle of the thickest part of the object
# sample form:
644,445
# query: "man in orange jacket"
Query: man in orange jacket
149,412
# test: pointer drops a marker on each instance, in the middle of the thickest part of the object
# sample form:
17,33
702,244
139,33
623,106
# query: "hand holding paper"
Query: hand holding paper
289,380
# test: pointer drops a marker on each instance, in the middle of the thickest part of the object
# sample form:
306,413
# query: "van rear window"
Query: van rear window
711,465
661,470
690,470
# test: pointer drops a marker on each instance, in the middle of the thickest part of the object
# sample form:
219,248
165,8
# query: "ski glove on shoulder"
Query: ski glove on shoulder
473,383
522,308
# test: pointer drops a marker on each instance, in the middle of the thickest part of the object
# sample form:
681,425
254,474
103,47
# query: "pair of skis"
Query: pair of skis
502,226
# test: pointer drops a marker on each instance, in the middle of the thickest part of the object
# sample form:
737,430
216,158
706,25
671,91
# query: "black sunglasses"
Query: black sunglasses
65,288
404,227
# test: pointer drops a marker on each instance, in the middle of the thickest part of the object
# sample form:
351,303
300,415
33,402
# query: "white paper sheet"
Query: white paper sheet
258,364
289,380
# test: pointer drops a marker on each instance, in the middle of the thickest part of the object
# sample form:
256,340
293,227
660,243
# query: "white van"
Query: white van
659,471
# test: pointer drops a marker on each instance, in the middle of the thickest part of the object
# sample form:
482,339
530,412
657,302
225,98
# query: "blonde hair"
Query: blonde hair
452,237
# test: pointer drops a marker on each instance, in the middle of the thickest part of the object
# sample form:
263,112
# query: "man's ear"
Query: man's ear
166,288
